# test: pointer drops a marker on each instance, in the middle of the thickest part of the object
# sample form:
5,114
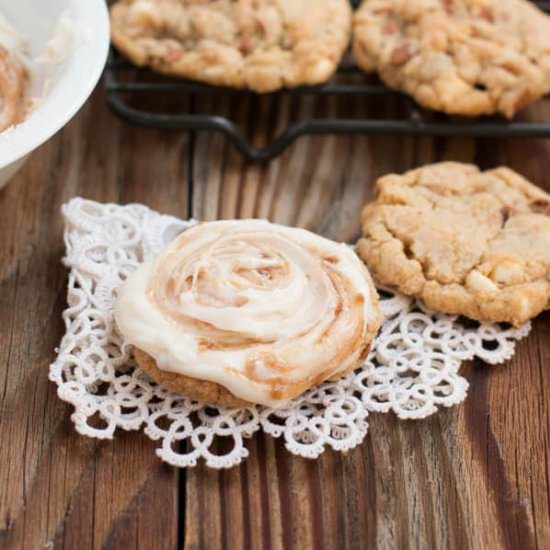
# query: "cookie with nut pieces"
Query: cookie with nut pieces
466,242
462,57
262,45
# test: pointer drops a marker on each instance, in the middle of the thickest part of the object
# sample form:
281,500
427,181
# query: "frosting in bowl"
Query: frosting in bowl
14,75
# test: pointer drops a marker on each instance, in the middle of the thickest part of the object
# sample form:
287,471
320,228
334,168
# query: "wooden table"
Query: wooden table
476,476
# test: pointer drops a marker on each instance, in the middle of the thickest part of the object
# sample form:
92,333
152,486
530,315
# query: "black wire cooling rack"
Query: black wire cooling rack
131,92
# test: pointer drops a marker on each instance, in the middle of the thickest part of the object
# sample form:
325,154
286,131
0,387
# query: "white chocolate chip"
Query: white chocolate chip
478,282
145,14
508,273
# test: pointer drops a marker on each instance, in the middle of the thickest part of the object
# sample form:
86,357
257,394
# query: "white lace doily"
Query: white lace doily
412,369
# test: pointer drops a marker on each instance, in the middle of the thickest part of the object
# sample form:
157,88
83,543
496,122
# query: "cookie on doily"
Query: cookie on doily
235,313
262,46
466,242
412,369
466,57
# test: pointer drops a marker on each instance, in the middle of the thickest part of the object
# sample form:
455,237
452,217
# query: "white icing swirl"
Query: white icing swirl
264,310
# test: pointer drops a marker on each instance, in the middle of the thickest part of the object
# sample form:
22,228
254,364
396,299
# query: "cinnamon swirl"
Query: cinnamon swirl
238,312
14,77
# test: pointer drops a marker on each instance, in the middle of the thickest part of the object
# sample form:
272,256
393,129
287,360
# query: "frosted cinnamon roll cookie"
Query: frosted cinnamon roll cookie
466,57
239,312
262,45
466,242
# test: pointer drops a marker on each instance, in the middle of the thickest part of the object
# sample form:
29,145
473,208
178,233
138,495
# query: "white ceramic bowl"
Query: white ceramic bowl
71,81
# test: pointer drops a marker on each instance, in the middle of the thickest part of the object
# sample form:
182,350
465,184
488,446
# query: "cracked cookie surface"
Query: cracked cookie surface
466,242
464,57
262,45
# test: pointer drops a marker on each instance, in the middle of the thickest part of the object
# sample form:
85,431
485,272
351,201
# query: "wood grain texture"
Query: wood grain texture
475,476
55,486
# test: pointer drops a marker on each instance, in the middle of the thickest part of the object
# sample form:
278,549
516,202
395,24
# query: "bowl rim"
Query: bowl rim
24,138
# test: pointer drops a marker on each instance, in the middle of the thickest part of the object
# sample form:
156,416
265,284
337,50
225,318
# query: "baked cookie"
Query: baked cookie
262,45
200,390
464,57
466,242
240,312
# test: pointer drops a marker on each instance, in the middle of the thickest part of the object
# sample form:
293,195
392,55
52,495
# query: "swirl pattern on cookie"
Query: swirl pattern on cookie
262,45
263,310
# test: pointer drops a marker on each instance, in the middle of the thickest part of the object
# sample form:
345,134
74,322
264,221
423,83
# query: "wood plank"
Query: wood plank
59,487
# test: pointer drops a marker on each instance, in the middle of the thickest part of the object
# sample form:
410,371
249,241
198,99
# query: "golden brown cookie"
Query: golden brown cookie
262,45
465,57
200,390
465,242
205,391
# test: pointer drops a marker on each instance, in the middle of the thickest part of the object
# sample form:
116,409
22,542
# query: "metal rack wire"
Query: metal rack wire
124,84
